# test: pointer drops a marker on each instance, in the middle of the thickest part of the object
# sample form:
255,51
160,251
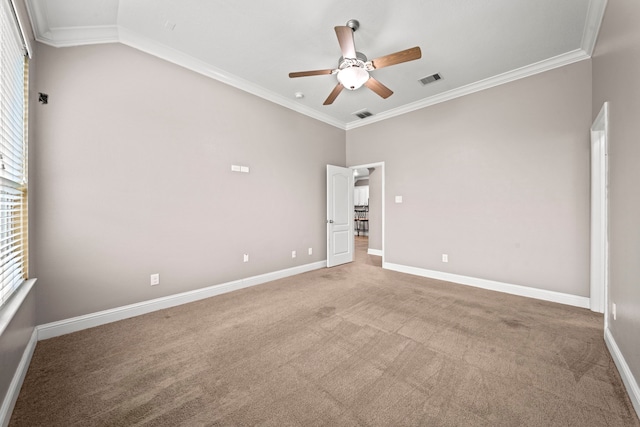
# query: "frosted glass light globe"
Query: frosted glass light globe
353,77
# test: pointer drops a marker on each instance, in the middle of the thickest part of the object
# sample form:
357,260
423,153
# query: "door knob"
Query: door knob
330,221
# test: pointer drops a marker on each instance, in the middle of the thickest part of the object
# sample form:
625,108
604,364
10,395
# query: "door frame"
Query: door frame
378,166
599,268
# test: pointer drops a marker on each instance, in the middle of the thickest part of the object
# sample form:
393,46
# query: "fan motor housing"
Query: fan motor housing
359,56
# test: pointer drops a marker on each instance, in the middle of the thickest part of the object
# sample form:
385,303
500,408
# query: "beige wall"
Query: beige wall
498,180
616,69
134,177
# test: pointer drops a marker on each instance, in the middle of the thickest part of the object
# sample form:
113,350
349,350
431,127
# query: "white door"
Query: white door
339,215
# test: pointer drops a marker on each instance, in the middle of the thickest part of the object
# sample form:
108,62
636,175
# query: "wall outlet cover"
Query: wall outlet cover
155,279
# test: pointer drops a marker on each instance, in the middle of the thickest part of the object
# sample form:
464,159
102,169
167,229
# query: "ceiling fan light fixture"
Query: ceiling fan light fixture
353,67
353,78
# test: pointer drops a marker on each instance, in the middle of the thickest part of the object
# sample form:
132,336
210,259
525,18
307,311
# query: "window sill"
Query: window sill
11,307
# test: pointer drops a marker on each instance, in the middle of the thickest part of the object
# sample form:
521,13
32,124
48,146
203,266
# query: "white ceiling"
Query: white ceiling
253,45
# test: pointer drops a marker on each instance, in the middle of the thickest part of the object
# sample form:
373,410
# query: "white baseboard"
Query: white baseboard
18,378
492,285
79,323
376,252
633,390
281,274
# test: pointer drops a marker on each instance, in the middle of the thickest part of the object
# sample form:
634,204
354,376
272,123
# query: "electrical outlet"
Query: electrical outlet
293,254
246,258
613,310
310,251
445,258
155,279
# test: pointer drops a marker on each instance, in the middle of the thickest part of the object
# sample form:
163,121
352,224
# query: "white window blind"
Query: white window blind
13,154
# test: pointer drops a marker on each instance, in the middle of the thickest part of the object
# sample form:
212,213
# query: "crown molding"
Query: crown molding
67,36
134,40
595,14
77,36
519,73
39,22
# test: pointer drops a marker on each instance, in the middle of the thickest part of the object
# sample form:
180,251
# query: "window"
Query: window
13,154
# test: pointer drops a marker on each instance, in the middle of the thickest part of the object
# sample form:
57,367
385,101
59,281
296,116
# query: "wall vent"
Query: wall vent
430,79
363,114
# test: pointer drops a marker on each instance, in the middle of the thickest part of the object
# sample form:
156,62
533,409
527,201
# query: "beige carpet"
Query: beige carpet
348,346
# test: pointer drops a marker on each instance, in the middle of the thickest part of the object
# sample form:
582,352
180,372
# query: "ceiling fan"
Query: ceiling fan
353,67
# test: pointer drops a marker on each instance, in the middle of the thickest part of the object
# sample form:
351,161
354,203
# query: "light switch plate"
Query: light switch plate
398,199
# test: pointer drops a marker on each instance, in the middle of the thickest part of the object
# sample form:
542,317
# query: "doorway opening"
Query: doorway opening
369,208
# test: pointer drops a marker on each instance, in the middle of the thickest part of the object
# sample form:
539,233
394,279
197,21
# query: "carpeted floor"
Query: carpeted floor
353,345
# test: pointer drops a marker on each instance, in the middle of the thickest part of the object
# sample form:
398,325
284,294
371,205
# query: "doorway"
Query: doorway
370,244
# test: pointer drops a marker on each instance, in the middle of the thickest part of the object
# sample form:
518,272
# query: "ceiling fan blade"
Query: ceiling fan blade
397,58
310,73
378,88
345,39
334,94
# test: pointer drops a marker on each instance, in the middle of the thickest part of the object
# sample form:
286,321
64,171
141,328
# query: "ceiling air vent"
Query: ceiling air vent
430,79
363,114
